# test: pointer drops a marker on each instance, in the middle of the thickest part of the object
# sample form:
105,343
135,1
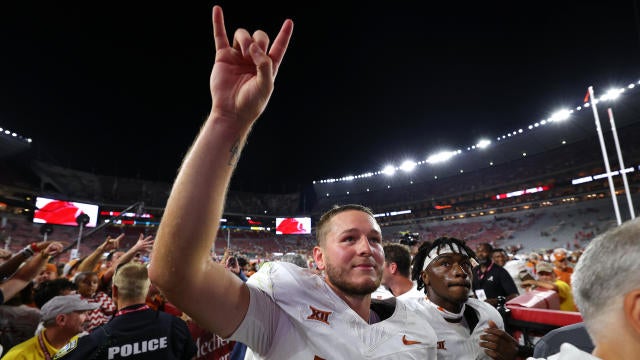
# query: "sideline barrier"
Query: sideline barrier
530,316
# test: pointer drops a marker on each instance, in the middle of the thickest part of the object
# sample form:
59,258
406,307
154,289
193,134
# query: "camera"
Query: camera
410,239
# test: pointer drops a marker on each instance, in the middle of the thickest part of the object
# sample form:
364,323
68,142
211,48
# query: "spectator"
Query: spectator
50,272
606,287
62,317
467,328
16,282
547,280
18,320
87,283
136,331
491,280
561,265
282,311
51,288
143,245
515,267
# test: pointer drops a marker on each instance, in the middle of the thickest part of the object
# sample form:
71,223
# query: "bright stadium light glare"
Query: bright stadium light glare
612,94
389,170
560,115
408,165
483,143
441,157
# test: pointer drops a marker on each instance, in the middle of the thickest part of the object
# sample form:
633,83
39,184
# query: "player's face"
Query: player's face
352,256
448,281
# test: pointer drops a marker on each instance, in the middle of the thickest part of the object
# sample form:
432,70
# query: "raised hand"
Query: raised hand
243,74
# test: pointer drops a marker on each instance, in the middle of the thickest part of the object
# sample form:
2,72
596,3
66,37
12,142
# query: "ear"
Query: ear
393,267
61,319
425,277
631,305
318,257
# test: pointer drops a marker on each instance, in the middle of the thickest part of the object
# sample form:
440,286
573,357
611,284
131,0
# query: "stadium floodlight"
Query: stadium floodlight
483,143
408,165
389,170
441,157
612,94
560,115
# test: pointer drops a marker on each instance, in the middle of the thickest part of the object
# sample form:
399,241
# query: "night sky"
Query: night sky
121,89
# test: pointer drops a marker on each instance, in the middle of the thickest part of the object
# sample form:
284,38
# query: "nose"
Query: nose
364,246
460,270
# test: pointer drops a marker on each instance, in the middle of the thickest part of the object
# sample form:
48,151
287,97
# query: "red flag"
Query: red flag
586,97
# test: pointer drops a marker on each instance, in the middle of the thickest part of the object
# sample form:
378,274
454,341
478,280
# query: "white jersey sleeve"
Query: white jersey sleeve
294,314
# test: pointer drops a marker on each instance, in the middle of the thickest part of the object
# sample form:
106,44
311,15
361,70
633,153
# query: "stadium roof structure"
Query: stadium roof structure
12,143
537,138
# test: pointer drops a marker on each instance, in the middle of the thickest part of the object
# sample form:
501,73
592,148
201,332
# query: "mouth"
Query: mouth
464,284
365,266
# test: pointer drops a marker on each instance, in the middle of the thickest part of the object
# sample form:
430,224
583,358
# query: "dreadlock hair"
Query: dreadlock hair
424,250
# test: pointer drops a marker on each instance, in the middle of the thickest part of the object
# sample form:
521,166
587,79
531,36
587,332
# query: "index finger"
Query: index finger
219,32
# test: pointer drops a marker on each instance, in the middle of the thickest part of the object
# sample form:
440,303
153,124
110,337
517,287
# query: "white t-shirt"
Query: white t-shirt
454,339
294,314
569,352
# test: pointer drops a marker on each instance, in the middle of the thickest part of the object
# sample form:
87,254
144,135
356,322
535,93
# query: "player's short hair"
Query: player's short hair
444,244
399,254
322,227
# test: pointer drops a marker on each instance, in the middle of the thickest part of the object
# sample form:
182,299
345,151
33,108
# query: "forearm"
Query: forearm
545,285
91,261
10,266
31,268
194,207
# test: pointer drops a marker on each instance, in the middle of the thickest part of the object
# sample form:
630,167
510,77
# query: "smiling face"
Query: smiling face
448,280
351,254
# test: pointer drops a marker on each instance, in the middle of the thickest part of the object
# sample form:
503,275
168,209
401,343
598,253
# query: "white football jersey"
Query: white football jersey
294,314
454,339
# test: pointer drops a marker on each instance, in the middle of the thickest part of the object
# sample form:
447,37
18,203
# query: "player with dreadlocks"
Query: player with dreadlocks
464,326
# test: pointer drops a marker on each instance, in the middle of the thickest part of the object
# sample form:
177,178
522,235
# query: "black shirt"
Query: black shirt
495,281
138,333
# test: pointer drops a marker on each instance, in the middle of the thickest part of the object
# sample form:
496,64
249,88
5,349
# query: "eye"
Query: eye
349,239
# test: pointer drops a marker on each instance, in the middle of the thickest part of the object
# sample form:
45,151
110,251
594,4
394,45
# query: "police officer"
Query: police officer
136,332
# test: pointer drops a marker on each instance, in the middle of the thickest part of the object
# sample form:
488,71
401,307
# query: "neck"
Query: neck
358,303
401,286
121,304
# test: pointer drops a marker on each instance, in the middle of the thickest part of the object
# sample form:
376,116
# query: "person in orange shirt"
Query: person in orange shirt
561,265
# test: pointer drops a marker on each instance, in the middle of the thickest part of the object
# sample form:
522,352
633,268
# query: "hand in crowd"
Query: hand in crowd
111,243
144,243
232,265
498,344
53,248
